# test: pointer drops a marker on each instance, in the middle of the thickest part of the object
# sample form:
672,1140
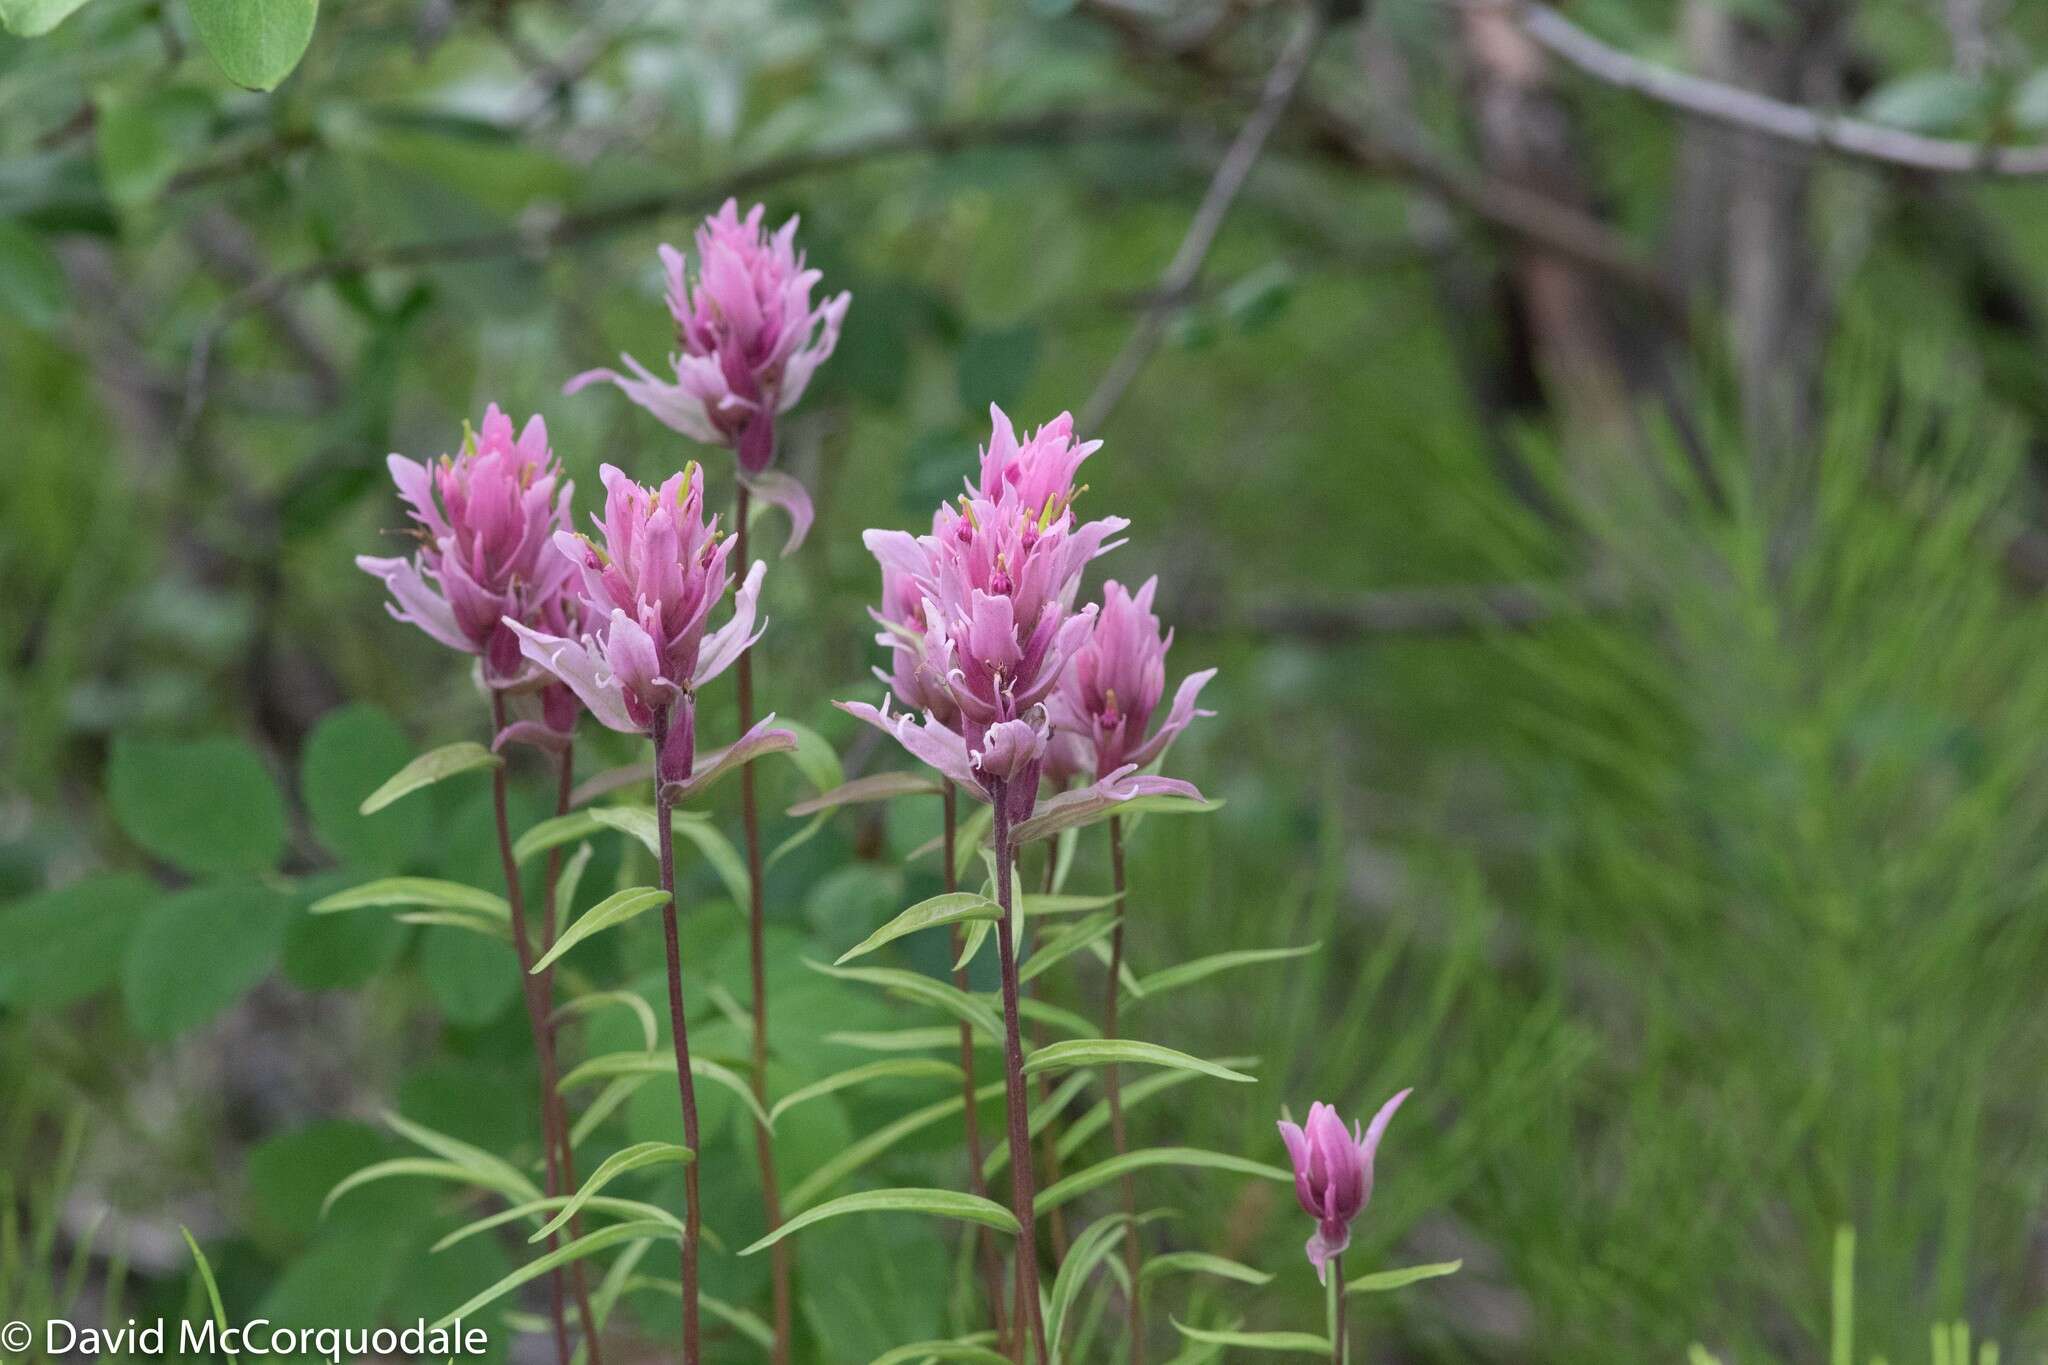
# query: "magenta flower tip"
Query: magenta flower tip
1333,1173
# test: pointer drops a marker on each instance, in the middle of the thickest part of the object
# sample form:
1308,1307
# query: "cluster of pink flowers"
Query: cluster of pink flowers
622,626
1006,682
748,341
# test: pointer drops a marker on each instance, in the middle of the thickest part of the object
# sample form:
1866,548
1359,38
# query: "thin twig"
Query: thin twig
536,236
1236,167
1750,112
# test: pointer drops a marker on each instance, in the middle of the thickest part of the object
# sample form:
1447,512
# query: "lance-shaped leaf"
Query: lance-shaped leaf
650,1031
898,1068
1119,793
1382,1281
719,764
1201,1263
815,757
428,891
628,1209
605,1105
851,1159
609,913
1053,1016
1102,1172
615,1064
586,1245
462,1153
954,907
1135,1093
923,989
968,1208
739,1319
907,1039
1071,940
552,833
975,1350
1086,1253
875,787
498,929
1296,1343
1181,974
1034,906
422,1167
1043,1113
633,1158
638,773
429,768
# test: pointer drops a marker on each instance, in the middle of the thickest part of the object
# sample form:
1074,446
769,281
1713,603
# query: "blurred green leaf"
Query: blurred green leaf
1926,102
334,952
196,952
288,1175
144,139
996,366
1381,1281
65,944
436,765
472,978
33,18
2029,106
256,42
32,288
205,805
345,759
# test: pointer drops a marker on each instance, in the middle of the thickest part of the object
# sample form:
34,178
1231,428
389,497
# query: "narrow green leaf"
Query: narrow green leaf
612,911
718,850
907,1039
583,1246
428,891
631,1209
1042,1113
1302,1342
554,832
1086,1253
1073,940
1135,1093
881,1140
425,1167
933,1203
875,787
748,1325
1384,1280
498,929
593,1001
814,756
901,1068
955,907
1034,906
464,1154
256,42
34,18
607,1102
1201,1263
429,768
1183,973
633,1158
974,1350
664,1064
924,990
199,1263
1102,1172
977,934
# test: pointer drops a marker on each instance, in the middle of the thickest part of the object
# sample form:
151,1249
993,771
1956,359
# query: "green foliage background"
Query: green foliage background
1705,915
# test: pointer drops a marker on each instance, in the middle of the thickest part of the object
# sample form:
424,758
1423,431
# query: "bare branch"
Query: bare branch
1230,176
536,237
1750,112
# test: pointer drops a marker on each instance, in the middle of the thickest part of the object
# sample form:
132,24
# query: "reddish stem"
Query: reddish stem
1113,1085
565,780
693,1221
750,817
1022,1196
984,1241
536,1019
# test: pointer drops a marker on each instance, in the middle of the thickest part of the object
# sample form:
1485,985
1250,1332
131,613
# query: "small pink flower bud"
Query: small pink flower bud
1333,1173
484,564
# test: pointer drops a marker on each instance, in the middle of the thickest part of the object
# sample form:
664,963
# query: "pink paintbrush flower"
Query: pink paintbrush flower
484,565
648,594
1333,1173
1102,711
996,581
748,341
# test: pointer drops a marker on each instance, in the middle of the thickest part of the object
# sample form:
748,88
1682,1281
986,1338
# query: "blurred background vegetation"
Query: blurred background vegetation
1619,535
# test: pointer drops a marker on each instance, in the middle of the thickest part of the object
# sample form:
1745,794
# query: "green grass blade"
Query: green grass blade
932,1203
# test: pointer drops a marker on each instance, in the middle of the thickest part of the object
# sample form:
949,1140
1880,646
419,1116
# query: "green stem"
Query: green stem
1340,1349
